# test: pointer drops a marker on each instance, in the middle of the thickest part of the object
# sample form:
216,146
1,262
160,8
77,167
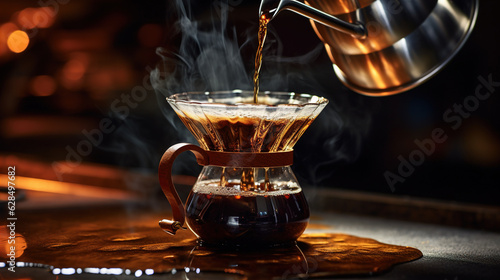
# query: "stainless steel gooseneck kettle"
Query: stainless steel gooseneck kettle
383,47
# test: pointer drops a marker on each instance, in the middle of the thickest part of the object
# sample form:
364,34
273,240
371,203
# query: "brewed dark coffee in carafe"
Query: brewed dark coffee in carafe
247,219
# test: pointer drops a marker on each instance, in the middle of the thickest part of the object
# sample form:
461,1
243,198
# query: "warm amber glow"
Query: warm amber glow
43,17
392,70
5,246
43,185
376,73
25,18
18,41
481,145
43,85
74,71
30,18
5,30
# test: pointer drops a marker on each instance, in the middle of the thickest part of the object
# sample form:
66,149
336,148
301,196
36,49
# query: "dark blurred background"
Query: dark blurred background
80,74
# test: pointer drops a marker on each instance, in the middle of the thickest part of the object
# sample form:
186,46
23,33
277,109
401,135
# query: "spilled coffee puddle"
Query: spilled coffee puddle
81,249
315,255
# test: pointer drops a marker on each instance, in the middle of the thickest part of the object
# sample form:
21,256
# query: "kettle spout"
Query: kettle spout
270,8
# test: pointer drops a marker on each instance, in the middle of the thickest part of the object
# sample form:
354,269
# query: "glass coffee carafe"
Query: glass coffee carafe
246,193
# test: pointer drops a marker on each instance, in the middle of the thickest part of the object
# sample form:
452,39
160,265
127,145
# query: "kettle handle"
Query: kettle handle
273,7
167,185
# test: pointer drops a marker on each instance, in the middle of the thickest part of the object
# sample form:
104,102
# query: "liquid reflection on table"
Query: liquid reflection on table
130,242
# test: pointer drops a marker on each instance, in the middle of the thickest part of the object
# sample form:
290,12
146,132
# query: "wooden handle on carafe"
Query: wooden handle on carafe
167,185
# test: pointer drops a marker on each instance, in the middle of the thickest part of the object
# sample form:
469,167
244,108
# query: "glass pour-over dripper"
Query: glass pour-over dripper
246,193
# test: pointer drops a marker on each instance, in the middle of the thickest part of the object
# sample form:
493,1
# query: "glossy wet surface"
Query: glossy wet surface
130,239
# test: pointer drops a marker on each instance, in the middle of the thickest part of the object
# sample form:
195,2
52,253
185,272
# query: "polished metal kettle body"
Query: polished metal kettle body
383,47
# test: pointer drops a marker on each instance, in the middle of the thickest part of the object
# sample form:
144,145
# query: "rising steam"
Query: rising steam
208,57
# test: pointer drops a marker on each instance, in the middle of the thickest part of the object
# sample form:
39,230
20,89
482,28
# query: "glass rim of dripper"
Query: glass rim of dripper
314,100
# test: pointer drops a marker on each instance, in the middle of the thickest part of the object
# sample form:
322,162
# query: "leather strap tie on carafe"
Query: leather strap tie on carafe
247,159
205,158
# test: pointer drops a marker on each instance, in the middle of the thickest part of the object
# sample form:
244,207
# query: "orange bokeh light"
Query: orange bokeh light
5,30
74,69
30,18
18,41
6,247
43,85
25,18
73,72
